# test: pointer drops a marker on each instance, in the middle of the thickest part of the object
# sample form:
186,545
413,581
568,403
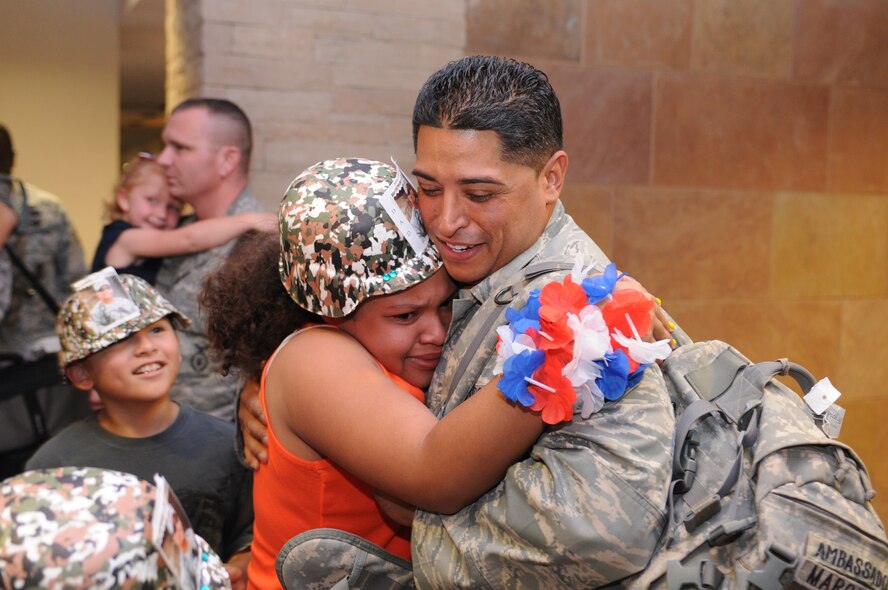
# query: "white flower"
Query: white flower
643,352
510,344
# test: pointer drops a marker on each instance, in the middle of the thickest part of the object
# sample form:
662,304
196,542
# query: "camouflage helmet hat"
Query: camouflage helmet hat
81,335
76,527
350,230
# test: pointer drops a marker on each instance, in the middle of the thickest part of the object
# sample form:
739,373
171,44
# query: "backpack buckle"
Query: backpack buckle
702,512
779,559
688,462
701,575
728,532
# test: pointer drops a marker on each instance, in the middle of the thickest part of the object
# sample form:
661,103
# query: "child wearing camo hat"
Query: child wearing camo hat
132,362
84,527
350,439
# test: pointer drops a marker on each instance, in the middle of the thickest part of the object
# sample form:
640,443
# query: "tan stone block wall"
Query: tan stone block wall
731,155
318,79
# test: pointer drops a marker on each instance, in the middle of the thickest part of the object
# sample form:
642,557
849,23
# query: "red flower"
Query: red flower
556,406
638,307
559,299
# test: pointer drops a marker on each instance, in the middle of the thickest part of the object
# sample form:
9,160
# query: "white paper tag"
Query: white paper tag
832,421
821,396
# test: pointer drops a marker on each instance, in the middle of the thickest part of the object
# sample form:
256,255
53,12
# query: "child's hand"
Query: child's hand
661,327
264,222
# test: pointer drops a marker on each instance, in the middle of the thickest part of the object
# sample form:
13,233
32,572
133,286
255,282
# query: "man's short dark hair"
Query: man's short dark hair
6,152
483,92
243,137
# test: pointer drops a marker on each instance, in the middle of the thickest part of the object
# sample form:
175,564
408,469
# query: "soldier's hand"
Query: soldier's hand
253,424
237,570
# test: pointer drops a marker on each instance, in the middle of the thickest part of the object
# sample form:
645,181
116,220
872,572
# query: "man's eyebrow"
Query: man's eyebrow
478,180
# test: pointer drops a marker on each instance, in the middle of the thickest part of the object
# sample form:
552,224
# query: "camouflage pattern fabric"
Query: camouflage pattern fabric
340,243
74,527
81,336
5,283
48,246
200,384
322,559
587,507
5,263
800,507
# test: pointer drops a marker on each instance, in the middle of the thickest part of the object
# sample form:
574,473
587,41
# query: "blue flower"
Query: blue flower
599,287
515,369
526,317
614,375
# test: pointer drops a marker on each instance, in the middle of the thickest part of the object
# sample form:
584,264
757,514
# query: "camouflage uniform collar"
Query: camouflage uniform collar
485,289
243,198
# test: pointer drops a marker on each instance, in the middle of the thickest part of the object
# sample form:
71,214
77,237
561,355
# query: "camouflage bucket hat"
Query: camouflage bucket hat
74,527
91,320
350,230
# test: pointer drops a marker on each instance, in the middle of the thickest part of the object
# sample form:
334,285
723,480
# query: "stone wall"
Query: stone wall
318,79
731,155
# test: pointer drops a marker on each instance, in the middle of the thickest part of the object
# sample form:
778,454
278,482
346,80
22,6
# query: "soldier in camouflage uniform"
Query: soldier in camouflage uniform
73,527
207,159
46,243
585,509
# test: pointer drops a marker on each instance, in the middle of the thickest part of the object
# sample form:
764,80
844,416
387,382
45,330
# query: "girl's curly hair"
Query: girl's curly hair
248,311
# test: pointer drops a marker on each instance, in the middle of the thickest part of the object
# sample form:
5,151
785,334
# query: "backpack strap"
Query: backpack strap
502,299
739,404
32,279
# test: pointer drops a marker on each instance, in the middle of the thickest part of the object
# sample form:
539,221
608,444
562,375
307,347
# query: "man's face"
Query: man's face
142,367
190,155
480,210
414,322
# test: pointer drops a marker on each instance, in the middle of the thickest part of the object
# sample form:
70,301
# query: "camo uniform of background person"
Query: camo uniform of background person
46,243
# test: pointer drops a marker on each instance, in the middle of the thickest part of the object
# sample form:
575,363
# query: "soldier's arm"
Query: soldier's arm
252,431
589,504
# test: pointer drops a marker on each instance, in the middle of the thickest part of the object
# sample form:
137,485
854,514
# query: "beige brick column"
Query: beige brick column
318,79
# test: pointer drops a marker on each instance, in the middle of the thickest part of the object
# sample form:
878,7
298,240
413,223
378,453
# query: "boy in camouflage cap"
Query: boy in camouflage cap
132,362
93,528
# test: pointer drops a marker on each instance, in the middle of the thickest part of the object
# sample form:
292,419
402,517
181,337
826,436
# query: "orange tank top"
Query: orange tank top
292,495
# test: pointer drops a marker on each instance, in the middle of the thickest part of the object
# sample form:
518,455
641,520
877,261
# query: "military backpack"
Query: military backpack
761,496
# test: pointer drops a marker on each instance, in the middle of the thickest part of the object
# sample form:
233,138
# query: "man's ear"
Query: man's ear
229,159
553,174
79,377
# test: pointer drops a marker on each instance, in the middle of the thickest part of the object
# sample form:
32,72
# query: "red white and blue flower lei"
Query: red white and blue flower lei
575,338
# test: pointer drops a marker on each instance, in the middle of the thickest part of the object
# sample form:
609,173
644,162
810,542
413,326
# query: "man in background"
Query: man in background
37,232
207,142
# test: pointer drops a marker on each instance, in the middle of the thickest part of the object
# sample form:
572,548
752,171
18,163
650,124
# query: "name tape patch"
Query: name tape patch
832,565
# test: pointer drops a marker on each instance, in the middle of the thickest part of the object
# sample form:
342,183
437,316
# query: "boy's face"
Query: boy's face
480,210
142,367
405,331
